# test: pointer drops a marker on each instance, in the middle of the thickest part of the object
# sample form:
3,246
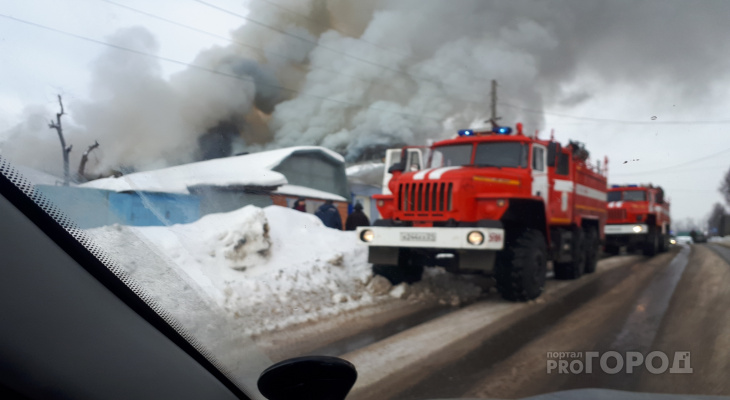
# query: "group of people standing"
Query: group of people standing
330,216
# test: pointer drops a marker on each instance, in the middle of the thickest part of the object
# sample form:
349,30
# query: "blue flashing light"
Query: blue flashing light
632,185
466,132
615,186
502,130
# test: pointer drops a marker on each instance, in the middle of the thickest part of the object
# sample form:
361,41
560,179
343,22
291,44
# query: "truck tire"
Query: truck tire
651,246
593,249
405,271
663,243
520,268
575,268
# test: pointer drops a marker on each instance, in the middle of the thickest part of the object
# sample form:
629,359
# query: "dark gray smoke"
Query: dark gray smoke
414,70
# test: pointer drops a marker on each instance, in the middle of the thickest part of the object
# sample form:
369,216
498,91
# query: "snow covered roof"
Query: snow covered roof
294,190
245,170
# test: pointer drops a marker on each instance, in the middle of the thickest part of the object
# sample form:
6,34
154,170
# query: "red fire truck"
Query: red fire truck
492,202
638,217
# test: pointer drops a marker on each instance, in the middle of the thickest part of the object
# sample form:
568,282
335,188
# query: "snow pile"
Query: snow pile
275,267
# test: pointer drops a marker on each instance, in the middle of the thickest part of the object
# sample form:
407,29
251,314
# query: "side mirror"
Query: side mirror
398,167
311,377
552,153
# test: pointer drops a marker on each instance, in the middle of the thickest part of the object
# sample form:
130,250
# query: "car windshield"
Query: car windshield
231,158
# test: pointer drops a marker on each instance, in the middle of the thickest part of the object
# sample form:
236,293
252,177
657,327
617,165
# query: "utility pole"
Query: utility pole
493,118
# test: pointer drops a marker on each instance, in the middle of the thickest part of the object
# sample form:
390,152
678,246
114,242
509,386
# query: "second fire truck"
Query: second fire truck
638,218
492,202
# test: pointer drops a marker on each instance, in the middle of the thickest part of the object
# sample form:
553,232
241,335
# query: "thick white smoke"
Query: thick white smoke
375,73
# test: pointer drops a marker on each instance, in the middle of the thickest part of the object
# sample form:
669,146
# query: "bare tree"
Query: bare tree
714,221
66,150
725,187
85,159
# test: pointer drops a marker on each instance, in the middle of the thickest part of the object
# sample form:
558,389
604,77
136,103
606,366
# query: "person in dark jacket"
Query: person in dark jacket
329,215
357,218
300,205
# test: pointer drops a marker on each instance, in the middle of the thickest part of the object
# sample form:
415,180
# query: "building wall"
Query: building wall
316,170
219,201
92,208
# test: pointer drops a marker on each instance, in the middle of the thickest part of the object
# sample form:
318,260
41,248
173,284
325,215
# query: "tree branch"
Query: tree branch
85,159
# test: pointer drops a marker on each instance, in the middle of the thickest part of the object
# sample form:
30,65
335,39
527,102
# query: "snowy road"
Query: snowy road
299,288
674,302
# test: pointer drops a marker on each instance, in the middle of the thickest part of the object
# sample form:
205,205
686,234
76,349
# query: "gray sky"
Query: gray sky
615,61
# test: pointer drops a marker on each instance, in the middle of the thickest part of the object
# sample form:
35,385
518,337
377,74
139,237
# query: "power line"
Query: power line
615,121
678,165
205,69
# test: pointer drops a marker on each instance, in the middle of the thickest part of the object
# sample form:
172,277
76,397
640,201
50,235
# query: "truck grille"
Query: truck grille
427,196
616,213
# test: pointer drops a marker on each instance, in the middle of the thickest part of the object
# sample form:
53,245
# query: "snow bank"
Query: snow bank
276,267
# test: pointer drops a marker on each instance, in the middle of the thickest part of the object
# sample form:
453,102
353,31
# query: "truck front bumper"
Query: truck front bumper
432,237
626,229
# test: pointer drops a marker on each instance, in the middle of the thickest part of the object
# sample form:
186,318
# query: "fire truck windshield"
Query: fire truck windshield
496,154
627,195
634,195
449,156
501,154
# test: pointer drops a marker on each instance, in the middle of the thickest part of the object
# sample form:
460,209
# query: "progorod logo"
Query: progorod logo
613,362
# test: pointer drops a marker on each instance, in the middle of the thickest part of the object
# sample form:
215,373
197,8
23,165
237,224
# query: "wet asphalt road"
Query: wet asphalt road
676,302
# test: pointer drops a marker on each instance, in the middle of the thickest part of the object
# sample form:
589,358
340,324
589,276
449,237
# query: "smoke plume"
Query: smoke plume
355,76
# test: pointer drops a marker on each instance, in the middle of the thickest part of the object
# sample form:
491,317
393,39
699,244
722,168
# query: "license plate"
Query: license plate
418,236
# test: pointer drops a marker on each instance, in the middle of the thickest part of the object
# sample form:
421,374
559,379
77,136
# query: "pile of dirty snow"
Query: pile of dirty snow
277,267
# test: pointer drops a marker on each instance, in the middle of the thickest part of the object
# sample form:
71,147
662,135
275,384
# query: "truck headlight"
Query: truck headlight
638,228
367,235
672,241
475,238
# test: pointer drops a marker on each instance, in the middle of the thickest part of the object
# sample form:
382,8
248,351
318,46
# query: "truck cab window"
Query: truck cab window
563,166
414,161
538,159
614,196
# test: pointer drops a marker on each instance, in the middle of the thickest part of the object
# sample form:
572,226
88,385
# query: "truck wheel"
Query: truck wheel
574,269
663,243
593,248
405,271
651,246
520,268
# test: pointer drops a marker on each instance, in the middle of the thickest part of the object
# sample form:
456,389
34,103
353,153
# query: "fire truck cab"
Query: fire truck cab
638,218
492,202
